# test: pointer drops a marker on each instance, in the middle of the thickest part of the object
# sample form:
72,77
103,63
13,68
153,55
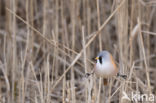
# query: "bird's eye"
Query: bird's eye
100,59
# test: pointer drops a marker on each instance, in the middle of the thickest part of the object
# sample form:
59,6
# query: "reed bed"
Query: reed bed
47,46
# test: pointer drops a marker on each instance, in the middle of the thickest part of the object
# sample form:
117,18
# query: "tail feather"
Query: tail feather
105,81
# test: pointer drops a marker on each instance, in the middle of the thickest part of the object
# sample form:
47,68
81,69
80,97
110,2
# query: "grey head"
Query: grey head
103,56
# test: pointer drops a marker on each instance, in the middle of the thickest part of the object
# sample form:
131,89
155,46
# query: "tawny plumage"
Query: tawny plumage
105,66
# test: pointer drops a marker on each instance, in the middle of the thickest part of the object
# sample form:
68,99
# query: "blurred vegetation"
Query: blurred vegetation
47,46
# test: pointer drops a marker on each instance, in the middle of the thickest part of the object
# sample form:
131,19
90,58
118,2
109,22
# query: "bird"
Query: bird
105,66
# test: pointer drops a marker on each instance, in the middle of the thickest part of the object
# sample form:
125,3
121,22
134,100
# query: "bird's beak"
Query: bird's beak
97,58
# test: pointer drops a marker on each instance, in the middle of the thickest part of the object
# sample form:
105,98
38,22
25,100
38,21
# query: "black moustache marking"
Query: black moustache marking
100,59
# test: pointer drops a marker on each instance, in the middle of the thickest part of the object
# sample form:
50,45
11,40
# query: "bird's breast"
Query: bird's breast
105,69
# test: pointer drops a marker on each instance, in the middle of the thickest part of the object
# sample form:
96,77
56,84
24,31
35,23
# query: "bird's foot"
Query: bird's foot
122,75
88,74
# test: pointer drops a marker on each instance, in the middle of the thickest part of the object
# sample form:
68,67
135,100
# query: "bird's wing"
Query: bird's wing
113,62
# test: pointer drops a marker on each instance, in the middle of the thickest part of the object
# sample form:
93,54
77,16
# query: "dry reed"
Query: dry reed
47,46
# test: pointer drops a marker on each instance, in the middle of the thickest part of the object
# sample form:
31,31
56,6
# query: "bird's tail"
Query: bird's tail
105,81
